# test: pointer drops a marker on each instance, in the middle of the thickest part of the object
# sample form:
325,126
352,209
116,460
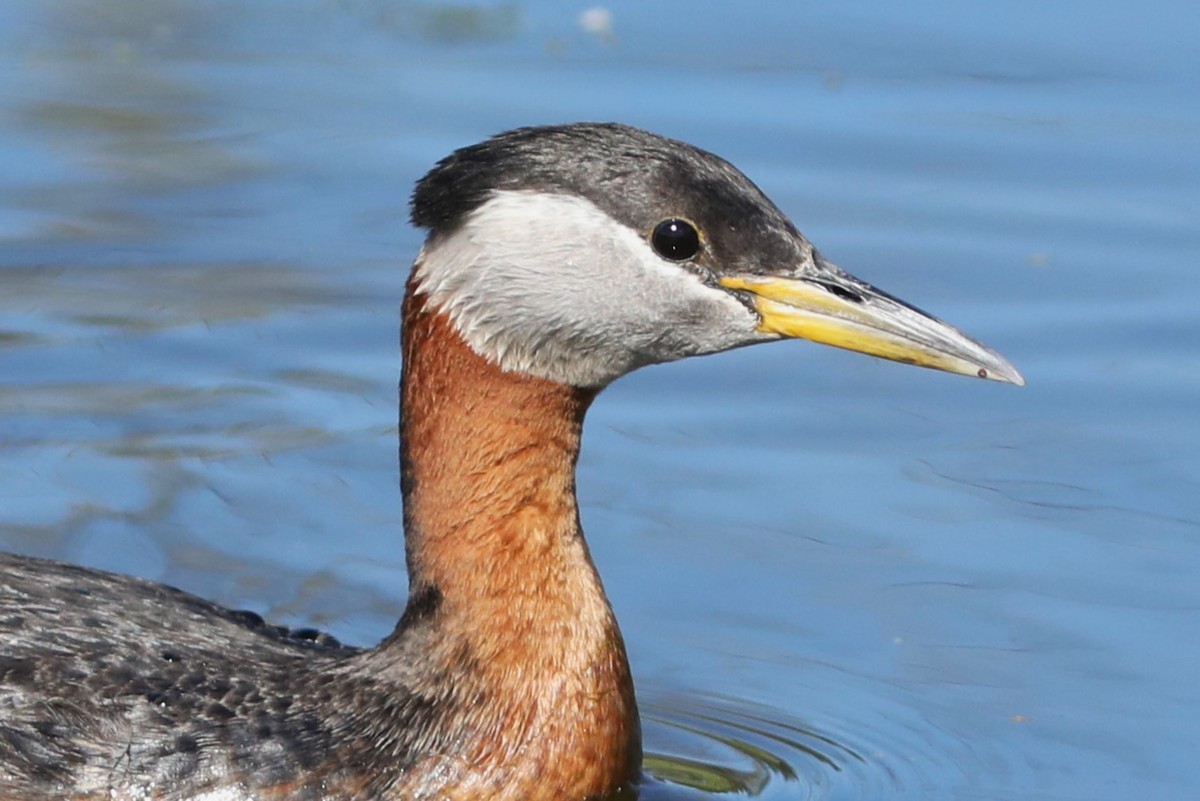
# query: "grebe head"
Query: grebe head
578,253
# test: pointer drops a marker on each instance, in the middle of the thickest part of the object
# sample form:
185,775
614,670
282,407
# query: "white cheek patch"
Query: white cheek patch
552,286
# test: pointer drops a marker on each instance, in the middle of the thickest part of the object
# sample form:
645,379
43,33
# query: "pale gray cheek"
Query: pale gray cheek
585,336
693,322
584,314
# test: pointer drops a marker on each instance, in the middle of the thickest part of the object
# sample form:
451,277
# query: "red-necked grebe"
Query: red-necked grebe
558,259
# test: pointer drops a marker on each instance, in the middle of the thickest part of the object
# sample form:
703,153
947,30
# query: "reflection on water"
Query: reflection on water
744,751
719,745
129,135
880,582
451,23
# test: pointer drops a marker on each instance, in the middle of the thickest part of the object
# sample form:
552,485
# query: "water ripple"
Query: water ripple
699,746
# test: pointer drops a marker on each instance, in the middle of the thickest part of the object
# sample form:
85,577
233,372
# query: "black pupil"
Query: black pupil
676,240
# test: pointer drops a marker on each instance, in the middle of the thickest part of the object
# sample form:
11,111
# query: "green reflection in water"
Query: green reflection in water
703,776
453,23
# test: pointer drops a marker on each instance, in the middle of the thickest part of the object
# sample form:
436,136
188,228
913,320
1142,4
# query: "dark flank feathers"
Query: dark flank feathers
104,677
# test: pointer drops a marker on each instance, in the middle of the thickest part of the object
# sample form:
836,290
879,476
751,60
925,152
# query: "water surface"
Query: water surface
838,578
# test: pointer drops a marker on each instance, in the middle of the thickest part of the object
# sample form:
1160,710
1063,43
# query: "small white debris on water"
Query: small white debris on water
598,21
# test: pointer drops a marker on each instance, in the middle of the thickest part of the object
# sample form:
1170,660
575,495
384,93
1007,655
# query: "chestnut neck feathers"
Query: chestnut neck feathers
498,565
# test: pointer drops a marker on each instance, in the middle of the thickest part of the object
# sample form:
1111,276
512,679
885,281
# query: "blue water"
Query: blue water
838,578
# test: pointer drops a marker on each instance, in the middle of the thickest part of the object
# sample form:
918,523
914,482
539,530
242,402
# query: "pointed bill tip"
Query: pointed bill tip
1002,370
837,309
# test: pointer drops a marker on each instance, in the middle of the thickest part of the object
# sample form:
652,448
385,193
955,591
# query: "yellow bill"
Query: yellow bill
835,308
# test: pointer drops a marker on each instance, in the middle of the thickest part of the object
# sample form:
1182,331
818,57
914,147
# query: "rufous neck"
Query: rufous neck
504,598
488,466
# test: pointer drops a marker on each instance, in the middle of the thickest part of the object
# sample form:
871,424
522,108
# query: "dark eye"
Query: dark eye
675,239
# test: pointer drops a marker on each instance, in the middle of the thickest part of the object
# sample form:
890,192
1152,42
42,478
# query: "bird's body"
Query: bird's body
558,259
